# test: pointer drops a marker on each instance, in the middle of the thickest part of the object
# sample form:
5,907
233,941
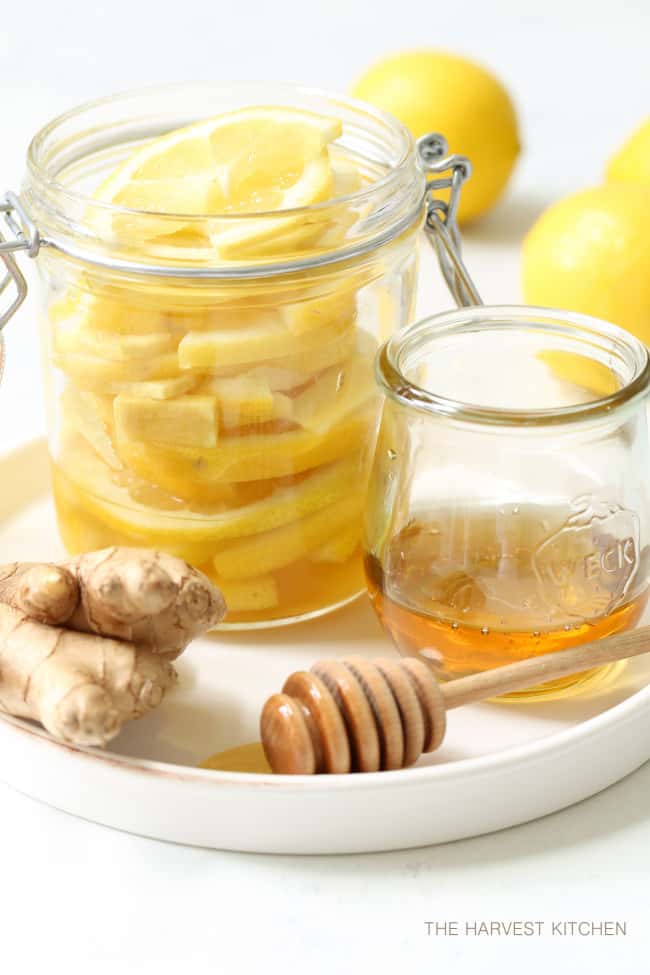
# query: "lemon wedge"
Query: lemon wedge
255,160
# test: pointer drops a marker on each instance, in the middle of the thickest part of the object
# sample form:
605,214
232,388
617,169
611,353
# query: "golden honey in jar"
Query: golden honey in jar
463,590
223,264
508,511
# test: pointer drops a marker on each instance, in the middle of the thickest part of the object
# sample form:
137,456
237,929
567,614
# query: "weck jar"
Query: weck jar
218,403
509,511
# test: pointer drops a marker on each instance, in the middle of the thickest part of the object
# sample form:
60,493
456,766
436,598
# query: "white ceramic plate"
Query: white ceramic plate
500,764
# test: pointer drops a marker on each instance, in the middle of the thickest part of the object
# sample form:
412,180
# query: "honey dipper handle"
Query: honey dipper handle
548,666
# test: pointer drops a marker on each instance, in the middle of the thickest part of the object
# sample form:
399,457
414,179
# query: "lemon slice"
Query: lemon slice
253,160
93,488
260,554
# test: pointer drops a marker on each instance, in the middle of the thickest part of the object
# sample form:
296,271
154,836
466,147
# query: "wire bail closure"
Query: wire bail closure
23,237
441,224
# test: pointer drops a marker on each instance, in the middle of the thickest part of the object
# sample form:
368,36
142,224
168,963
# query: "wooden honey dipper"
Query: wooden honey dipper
358,715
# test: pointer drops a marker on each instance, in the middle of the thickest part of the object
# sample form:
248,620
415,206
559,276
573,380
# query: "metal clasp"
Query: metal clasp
23,236
441,224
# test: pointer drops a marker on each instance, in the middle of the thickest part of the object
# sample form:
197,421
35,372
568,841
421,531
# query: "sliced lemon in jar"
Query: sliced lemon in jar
111,498
251,161
184,471
272,550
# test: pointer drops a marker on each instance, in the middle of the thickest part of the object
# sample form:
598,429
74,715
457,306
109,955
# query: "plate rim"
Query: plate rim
595,726
598,724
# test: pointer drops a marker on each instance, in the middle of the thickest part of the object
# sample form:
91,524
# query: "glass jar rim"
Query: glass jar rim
390,365
38,166
393,201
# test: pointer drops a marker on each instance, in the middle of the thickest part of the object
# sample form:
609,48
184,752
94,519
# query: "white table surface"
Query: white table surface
77,897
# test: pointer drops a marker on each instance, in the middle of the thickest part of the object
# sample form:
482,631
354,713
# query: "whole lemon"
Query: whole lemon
631,164
431,91
590,252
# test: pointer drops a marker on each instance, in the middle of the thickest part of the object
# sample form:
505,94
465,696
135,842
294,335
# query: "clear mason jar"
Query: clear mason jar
144,331
508,508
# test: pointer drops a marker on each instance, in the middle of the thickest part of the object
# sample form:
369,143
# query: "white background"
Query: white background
78,898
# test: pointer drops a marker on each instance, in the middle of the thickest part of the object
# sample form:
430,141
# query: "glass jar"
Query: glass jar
146,334
508,508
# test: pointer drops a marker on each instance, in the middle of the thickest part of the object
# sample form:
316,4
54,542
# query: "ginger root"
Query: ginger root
81,688
151,599
46,593
86,644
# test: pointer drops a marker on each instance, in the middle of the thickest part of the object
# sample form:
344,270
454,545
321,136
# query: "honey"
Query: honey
473,589
248,758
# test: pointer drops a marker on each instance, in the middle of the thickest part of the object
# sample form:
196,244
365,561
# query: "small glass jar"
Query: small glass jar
144,331
508,513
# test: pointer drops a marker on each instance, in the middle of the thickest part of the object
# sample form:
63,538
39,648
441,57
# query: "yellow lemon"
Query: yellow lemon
631,164
430,91
590,253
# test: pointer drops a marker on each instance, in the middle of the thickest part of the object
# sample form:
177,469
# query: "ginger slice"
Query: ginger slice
266,339
79,309
117,348
91,415
308,362
246,401
320,312
250,595
93,373
278,379
154,388
189,421
336,393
